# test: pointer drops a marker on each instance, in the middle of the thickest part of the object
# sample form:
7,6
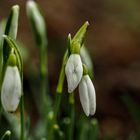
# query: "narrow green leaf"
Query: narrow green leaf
2,28
11,30
12,22
6,136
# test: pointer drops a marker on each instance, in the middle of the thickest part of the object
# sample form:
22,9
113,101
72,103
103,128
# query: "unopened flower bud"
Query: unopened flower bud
11,89
87,95
74,71
36,18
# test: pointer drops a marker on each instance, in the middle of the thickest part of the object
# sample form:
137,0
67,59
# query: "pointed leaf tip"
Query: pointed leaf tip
80,35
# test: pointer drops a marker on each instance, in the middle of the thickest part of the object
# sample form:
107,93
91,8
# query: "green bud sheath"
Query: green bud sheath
80,35
75,47
12,60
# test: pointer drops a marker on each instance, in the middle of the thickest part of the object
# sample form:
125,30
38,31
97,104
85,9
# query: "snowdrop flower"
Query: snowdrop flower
74,71
87,95
11,89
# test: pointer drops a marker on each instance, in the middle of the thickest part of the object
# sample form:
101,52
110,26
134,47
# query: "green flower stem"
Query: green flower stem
46,105
50,124
22,135
59,88
44,79
71,115
39,29
58,97
43,60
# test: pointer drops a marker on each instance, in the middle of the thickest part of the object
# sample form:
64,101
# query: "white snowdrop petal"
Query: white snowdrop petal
83,93
91,95
74,71
11,89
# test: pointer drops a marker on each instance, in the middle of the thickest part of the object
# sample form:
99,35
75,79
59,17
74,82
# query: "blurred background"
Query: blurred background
113,40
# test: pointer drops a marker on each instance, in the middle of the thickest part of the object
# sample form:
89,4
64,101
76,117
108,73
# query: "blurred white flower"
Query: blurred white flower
36,17
87,95
85,57
11,89
74,71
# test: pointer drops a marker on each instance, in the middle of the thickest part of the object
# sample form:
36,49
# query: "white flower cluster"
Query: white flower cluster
74,74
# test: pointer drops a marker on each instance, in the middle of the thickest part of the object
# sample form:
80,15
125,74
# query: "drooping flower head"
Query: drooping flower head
11,89
74,71
87,95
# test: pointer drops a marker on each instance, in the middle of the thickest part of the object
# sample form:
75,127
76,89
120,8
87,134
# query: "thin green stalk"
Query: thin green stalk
59,92
43,59
39,29
71,115
45,98
59,88
50,126
46,105
44,81
22,135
